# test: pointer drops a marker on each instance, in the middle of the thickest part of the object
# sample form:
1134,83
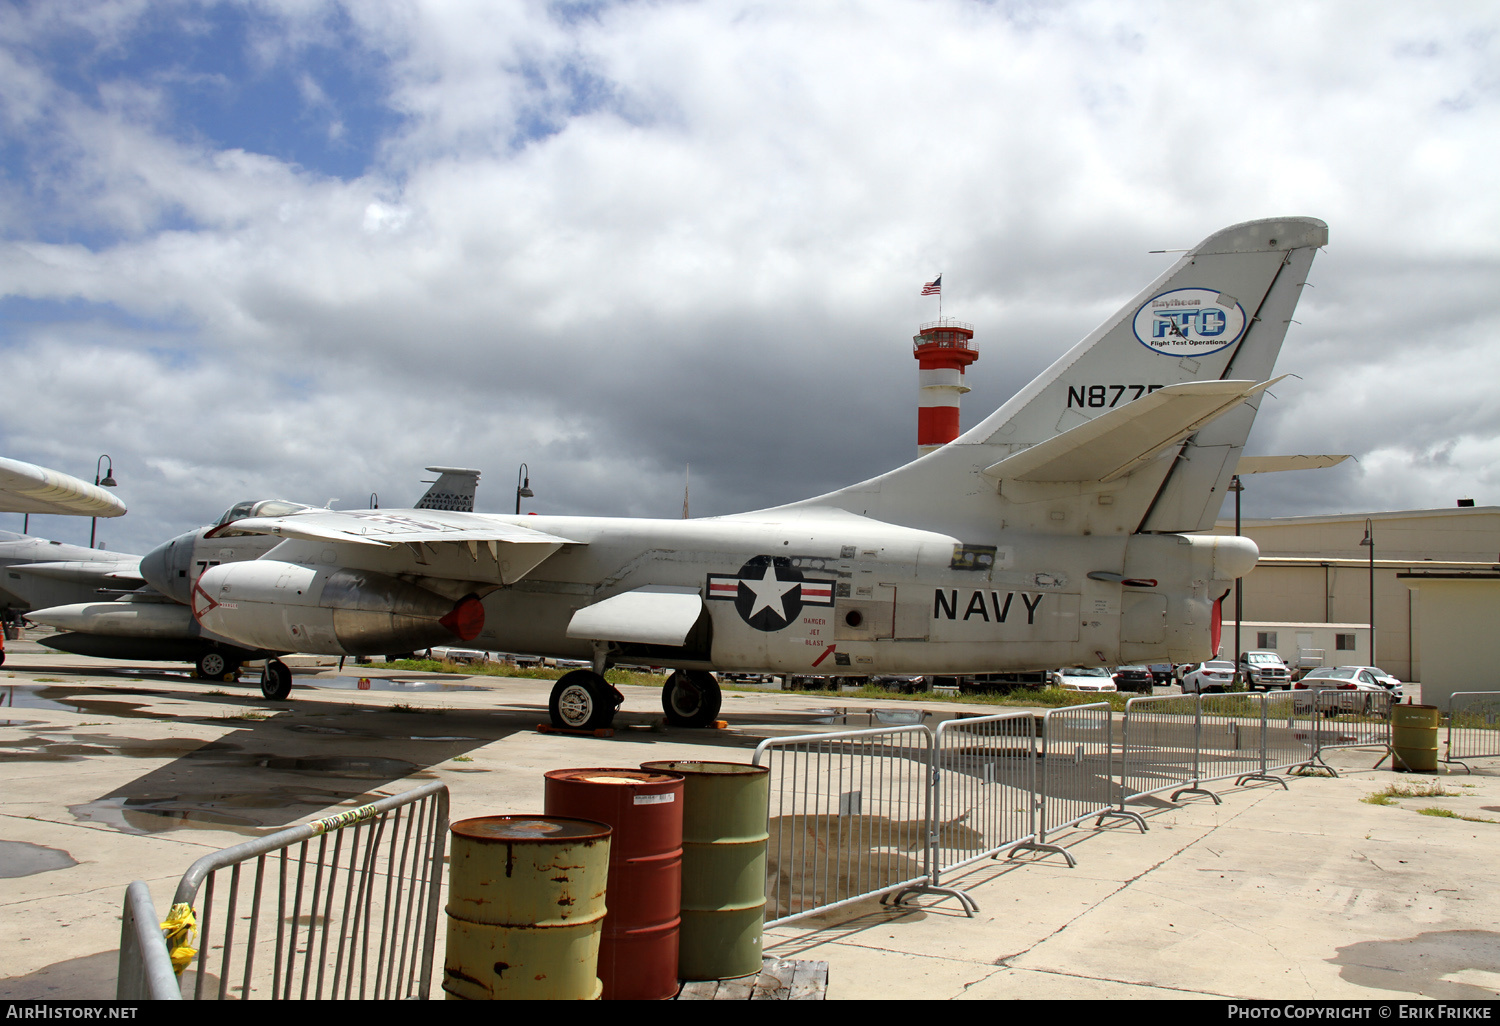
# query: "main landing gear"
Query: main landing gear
691,698
216,666
583,700
275,680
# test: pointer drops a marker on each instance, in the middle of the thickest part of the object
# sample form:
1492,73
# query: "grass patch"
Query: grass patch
1450,814
463,758
1430,789
247,714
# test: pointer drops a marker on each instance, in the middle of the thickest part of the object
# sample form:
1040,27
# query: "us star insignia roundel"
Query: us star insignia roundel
769,592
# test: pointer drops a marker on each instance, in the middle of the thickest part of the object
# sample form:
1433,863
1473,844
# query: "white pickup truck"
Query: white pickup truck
1264,670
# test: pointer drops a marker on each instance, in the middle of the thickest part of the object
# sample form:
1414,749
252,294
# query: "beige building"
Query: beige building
1436,578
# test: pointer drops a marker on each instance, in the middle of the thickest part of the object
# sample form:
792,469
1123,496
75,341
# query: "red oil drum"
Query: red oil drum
638,952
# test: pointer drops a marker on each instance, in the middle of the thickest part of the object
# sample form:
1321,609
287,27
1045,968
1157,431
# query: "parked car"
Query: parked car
1215,675
1162,673
1264,670
1392,684
1352,683
1090,678
1133,678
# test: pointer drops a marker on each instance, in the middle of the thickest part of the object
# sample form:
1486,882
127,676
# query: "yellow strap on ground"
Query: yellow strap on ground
181,926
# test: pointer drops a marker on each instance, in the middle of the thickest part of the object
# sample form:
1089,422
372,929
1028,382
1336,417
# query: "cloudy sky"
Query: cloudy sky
296,248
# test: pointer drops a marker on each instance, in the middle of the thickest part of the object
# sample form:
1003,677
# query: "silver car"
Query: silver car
1354,683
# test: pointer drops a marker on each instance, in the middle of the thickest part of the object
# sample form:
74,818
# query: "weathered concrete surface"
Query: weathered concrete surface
114,774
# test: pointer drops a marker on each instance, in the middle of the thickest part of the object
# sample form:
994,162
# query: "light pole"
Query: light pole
1369,540
108,481
1239,583
523,486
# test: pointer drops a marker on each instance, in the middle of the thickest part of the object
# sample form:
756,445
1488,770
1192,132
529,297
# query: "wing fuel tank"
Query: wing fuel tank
293,608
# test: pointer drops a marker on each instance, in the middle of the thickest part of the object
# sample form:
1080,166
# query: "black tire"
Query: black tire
275,680
581,700
213,665
691,698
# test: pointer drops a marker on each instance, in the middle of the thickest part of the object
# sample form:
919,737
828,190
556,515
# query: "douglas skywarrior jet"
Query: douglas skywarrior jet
1054,533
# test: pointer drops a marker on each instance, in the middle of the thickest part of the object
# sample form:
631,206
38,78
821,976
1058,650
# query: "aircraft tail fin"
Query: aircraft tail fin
453,490
1071,452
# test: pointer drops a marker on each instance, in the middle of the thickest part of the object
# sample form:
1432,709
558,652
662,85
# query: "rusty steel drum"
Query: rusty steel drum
526,908
723,867
638,952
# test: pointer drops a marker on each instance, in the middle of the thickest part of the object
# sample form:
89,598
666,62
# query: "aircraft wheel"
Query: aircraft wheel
275,680
691,698
212,666
582,700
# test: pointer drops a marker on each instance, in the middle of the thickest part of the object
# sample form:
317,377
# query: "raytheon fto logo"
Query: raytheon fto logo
1189,322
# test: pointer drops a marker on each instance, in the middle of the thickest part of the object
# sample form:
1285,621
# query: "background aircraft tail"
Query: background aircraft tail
1136,428
453,490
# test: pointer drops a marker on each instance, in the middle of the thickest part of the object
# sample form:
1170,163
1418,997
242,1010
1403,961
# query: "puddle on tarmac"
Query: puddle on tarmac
78,700
411,684
17,858
217,811
49,749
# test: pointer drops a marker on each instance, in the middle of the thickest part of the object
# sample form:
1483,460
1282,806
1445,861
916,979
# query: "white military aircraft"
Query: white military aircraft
1057,532
155,622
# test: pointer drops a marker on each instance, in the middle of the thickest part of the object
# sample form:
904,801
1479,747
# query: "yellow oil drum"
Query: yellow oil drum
723,867
525,908
1414,737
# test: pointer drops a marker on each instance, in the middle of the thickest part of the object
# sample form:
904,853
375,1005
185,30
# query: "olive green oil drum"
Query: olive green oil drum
525,908
1414,737
723,867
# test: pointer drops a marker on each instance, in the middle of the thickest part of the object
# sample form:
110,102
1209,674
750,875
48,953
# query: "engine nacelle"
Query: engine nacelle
288,607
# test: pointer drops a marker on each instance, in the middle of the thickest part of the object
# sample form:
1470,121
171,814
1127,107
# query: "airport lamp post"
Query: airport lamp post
1369,541
523,486
1239,584
108,481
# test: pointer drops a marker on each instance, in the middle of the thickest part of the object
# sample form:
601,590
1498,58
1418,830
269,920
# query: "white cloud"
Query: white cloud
606,244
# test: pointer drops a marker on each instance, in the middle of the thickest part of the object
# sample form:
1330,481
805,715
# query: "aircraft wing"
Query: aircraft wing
515,548
26,488
84,571
1115,443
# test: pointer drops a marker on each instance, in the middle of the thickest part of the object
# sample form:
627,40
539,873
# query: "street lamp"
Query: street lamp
523,486
108,481
1369,540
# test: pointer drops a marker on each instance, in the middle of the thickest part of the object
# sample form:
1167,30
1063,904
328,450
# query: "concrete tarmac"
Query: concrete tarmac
114,773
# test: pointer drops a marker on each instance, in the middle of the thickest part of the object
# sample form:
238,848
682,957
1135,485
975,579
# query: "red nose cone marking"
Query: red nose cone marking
465,619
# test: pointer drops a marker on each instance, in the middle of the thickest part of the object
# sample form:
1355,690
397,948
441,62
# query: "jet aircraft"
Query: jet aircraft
1059,531
156,623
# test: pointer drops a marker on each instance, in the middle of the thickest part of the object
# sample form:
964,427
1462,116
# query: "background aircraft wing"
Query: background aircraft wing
26,488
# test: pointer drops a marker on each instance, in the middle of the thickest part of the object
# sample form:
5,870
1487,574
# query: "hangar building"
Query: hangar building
1436,588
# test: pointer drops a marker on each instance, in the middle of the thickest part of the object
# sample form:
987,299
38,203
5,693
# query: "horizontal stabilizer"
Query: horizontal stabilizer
655,615
1273,464
1116,443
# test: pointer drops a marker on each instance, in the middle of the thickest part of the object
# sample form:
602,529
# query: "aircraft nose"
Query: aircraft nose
165,567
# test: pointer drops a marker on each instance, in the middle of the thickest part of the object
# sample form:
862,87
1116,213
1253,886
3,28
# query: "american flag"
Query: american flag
934,287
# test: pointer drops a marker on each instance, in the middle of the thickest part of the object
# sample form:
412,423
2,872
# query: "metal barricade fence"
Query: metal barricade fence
1340,718
1286,739
983,783
1473,726
1076,779
849,817
1232,738
345,907
1159,747
145,968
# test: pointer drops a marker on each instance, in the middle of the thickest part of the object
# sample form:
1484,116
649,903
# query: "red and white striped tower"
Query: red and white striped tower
943,349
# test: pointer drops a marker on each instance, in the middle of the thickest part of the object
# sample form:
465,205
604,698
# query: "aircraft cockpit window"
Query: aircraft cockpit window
276,508
259,508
